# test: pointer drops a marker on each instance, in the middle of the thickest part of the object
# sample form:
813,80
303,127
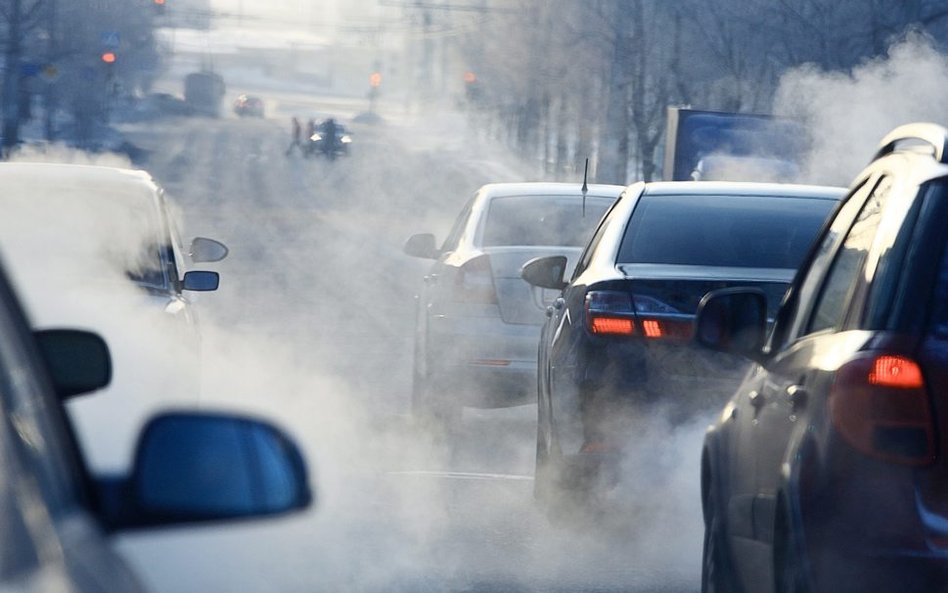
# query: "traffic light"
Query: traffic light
472,88
108,57
375,80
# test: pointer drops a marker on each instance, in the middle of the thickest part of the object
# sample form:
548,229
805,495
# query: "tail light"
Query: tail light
610,312
881,406
669,329
474,282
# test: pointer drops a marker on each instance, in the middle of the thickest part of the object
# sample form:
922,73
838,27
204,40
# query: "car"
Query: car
98,247
249,106
826,470
477,322
318,145
615,345
59,519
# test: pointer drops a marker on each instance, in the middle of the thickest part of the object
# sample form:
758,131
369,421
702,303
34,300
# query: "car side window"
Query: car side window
796,304
454,237
939,320
586,257
37,426
840,281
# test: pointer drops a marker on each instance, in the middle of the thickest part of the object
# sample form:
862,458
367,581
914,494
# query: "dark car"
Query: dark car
329,139
616,341
190,467
477,320
248,106
827,470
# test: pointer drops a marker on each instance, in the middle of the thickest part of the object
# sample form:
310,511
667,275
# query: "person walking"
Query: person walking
295,134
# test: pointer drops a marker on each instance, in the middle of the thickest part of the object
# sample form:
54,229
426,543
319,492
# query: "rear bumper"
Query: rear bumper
482,361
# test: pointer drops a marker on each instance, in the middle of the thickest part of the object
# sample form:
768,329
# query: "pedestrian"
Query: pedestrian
296,132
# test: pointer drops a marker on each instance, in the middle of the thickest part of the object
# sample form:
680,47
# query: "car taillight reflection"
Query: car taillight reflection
474,282
880,405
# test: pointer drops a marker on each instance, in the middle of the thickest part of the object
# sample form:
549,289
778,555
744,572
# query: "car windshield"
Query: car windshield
542,220
724,231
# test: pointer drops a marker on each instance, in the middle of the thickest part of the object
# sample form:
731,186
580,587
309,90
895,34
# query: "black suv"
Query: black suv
827,470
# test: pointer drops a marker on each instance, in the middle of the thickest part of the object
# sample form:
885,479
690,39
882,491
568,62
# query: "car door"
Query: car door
50,541
564,355
801,371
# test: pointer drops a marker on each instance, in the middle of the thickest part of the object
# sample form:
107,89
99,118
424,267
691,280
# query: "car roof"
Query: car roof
743,188
539,188
77,176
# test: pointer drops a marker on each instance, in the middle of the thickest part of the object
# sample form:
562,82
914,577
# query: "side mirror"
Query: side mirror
545,272
78,361
205,250
421,245
193,467
733,320
201,281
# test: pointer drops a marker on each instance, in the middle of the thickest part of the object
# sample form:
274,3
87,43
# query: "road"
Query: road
312,327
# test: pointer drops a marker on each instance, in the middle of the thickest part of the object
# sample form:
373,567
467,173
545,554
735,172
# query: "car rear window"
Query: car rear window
542,220
726,231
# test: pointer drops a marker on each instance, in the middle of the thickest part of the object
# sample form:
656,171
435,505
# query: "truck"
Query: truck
718,145
203,92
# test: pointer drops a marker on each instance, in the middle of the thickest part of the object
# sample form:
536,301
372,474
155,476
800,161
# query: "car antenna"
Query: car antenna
585,189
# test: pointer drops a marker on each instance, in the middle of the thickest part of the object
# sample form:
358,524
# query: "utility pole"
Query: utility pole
11,79
49,102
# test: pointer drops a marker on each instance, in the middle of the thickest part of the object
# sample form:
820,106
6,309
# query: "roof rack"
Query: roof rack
932,134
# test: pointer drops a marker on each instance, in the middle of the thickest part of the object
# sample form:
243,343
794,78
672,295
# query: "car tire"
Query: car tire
430,404
716,570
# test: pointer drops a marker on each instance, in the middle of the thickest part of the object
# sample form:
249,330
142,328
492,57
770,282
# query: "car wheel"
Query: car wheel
716,574
788,570
432,405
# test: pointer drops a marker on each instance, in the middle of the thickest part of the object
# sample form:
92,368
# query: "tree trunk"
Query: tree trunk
11,81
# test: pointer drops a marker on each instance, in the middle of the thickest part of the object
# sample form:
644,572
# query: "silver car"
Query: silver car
478,322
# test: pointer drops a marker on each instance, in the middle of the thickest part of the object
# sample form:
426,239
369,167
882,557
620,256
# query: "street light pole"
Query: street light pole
50,95
11,80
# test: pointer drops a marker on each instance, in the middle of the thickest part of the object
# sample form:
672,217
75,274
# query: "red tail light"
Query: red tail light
880,405
610,312
652,328
612,325
896,371
475,282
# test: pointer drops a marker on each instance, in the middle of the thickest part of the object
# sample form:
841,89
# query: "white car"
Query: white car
97,247
478,322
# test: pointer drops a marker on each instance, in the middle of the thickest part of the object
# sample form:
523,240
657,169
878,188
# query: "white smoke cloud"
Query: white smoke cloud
848,113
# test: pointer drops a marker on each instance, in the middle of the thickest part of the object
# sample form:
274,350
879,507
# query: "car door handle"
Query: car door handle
797,396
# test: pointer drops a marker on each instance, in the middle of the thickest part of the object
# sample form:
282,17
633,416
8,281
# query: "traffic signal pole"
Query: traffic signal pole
11,80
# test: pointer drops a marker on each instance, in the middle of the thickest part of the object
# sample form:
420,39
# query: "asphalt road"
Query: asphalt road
312,327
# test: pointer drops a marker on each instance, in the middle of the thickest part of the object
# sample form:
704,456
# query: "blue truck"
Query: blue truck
723,146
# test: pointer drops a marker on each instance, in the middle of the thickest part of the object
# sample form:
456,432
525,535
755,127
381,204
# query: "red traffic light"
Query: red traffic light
109,57
375,79
160,2
470,77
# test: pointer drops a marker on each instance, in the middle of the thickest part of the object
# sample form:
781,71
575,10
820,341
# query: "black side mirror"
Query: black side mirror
201,281
545,272
205,250
193,467
78,361
733,320
421,245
